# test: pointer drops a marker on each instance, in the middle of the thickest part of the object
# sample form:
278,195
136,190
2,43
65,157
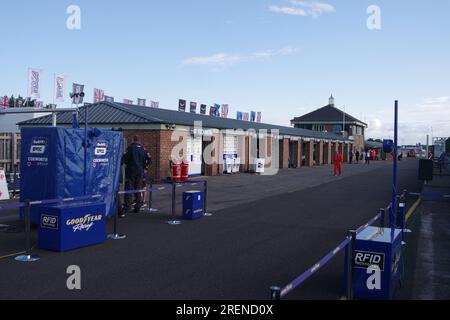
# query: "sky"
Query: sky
283,58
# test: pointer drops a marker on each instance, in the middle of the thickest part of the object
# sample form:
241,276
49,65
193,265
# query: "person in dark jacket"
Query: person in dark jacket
136,161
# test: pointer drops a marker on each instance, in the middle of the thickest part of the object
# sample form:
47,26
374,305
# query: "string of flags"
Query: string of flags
59,96
217,110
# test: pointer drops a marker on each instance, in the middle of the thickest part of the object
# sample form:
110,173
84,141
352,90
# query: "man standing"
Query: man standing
368,155
351,156
136,160
338,159
358,155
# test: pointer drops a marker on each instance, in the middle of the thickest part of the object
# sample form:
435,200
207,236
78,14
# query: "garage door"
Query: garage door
194,152
230,150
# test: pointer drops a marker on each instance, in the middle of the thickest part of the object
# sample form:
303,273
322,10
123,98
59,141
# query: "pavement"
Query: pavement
427,271
265,231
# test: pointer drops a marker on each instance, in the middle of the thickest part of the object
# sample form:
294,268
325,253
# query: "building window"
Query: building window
317,127
337,129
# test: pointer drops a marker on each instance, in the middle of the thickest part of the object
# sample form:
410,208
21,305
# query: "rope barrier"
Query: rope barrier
278,293
97,196
305,276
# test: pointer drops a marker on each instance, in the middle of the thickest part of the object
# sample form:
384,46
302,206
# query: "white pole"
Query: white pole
343,126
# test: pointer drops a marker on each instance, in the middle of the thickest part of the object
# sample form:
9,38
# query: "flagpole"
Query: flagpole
53,105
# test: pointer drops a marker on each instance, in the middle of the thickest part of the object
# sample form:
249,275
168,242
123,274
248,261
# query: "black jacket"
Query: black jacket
137,160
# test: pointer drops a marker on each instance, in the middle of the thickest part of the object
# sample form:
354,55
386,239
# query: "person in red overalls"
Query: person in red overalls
338,159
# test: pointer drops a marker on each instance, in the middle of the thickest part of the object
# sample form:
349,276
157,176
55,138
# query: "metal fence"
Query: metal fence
9,151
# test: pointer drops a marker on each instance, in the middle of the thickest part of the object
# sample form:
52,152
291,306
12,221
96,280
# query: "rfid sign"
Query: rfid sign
50,222
365,260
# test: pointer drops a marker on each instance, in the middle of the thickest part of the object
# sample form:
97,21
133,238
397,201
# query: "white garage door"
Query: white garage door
194,155
230,147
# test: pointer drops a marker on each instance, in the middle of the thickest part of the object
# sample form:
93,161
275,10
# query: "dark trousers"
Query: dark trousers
133,182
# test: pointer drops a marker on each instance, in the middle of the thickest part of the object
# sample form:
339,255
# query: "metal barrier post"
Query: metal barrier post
275,294
351,249
403,207
205,199
149,208
174,221
15,181
28,257
382,218
116,235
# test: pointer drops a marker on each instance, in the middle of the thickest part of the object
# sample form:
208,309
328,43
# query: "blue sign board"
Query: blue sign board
68,227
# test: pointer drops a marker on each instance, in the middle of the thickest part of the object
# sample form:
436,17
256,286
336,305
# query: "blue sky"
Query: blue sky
281,57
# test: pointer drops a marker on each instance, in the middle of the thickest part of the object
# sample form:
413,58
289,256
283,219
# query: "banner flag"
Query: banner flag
128,101
155,104
193,107
34,83
142,102
38,104
203,109
99,95
253,116
246,116
239,115
4,102
77,88
109,99
60,84
216,110
259,117
182,105
225,111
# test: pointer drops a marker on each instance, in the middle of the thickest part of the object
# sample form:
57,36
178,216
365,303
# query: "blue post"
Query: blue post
394,179
85,146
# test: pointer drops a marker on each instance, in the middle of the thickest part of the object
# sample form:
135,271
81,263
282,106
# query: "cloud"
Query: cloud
304,8
430,116
229,59
217,59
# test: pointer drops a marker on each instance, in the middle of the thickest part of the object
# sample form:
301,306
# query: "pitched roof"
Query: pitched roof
112,113
328,113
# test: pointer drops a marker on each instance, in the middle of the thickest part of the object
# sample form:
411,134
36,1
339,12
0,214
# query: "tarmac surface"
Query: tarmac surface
265,231
427,271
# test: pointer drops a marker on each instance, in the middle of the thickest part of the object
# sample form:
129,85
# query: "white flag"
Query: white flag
34,83
60,83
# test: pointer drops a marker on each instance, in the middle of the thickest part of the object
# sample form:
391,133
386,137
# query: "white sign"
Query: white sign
4,193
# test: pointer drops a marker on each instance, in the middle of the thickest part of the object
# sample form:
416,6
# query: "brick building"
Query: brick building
206,141
330,119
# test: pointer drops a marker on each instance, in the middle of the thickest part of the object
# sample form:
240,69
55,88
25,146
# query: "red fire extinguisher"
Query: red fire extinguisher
176,171
185,171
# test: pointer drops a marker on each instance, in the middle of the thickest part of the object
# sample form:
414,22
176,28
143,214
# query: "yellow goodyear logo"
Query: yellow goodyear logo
84,223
